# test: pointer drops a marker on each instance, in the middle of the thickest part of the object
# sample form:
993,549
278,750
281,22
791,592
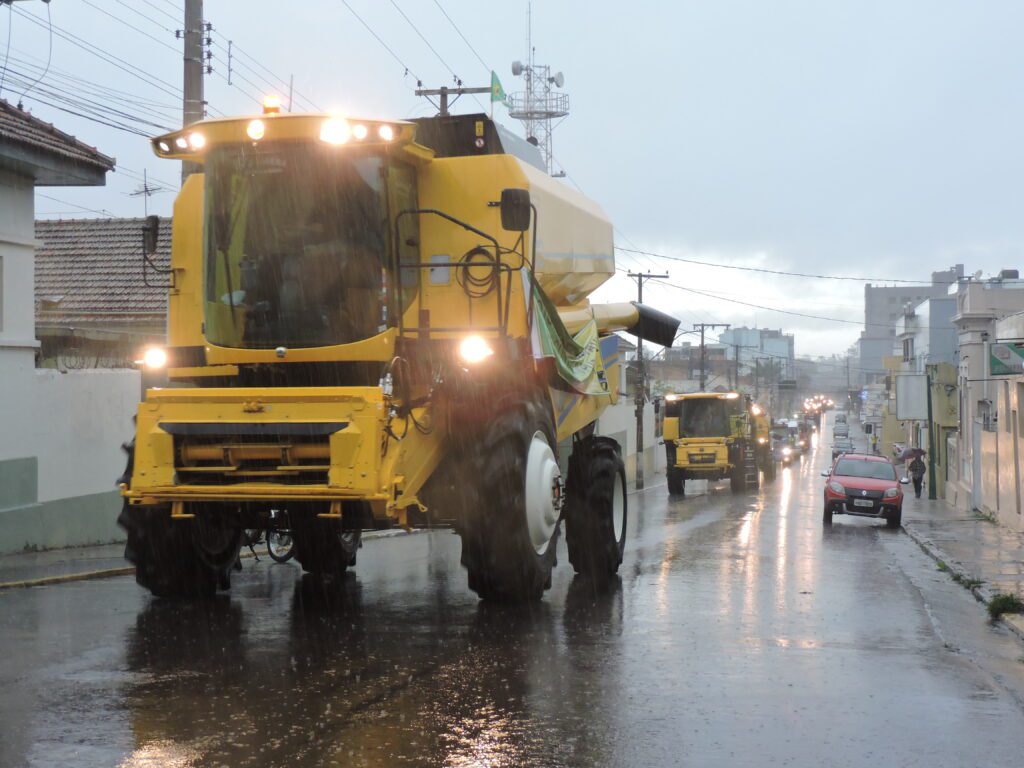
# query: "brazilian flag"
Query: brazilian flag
497,92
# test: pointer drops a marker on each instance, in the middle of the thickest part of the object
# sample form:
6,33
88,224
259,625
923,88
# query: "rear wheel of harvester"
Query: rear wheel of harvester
738,474
676,481
510,525
327,546
178,558
595,511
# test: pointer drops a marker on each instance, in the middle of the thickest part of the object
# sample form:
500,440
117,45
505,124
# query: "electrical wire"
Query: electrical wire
459,31
386,47
130,26
426,42
103,212
49,52
774,271
109,58
243,54
7,52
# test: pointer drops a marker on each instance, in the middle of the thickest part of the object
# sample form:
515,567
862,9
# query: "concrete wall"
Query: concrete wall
60,456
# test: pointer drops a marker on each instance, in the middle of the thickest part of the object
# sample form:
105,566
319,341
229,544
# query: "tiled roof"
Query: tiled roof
20,127
89,273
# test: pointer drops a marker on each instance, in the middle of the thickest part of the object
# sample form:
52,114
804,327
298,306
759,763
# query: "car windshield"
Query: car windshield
875,470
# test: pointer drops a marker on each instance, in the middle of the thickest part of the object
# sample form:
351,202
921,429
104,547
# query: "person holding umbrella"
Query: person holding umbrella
917,470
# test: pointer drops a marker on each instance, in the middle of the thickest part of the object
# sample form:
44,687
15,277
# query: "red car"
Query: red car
866,485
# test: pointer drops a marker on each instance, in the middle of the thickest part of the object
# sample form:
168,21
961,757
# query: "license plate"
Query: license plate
698,458
863,503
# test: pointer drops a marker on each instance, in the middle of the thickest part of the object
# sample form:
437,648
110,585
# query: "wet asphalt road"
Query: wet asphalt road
740,634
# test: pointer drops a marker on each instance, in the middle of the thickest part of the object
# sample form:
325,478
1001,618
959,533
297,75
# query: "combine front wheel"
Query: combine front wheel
510,526
326,546
595,514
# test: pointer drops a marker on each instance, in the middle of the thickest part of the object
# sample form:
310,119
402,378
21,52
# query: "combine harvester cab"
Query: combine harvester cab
376,324
716,435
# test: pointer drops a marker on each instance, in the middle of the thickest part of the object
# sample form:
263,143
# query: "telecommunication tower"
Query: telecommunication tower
540,104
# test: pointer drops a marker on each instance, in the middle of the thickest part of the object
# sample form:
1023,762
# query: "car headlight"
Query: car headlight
475,349
836,488
787,451
892,493
154,357
762,440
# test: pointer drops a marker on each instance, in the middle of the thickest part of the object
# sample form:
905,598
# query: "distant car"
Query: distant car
841,445
840,418
784,453
864,485
840,430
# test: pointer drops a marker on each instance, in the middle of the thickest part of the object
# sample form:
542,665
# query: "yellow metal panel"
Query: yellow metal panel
670,430
210,370
185,311
380,347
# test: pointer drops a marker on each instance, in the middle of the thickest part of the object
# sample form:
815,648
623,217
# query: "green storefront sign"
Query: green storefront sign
1006,358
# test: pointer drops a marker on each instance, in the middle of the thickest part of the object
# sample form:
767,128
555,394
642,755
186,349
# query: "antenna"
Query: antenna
539,104
145,191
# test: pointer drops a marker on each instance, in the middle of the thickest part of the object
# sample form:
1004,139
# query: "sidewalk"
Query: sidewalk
55,565
985,557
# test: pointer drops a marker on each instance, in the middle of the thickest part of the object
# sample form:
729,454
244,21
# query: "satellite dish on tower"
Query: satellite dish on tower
558,80
517,68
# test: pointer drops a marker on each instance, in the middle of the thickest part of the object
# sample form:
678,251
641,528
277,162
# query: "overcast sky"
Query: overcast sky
876,139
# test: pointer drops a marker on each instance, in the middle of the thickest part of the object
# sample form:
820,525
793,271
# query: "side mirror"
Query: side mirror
150,233
904,480
825,474
515,210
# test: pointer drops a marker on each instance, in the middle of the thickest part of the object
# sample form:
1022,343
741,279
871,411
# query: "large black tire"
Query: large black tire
894,519
676,481
738,476
826,515
325,547
177,558
595,507
502,562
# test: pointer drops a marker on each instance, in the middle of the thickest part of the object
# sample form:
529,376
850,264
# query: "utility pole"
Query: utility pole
640,391
444,92
932,495
192,83
700,327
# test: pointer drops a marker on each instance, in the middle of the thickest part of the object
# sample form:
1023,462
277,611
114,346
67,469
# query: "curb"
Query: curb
65,578
1013,622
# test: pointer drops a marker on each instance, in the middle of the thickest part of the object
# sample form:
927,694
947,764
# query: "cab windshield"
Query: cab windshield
296,244
704,417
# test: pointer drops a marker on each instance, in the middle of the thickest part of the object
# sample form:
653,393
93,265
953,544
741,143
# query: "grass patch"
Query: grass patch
966,581
1005,603
941,565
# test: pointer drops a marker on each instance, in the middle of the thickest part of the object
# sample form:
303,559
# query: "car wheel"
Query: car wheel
826,515
894,517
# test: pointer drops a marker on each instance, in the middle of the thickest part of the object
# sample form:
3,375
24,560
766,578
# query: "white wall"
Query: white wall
81,420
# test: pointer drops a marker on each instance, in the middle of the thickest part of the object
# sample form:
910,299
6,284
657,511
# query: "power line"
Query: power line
7,52
131,26
459,31
103,212
109,58
426,42
237,49
386,47
774,271
49,52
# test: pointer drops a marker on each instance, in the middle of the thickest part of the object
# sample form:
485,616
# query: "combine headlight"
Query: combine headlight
154,357
181,142
386,133
474,349
255,130
671,398
359,131
196,140
756,409
787,451
164,146
335,131
762,440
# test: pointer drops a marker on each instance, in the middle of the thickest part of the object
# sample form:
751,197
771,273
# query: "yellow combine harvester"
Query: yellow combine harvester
717,435
375,324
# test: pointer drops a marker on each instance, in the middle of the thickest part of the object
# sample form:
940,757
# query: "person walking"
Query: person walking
916,470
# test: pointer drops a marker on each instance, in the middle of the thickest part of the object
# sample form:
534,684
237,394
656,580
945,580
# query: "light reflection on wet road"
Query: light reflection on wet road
741,633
